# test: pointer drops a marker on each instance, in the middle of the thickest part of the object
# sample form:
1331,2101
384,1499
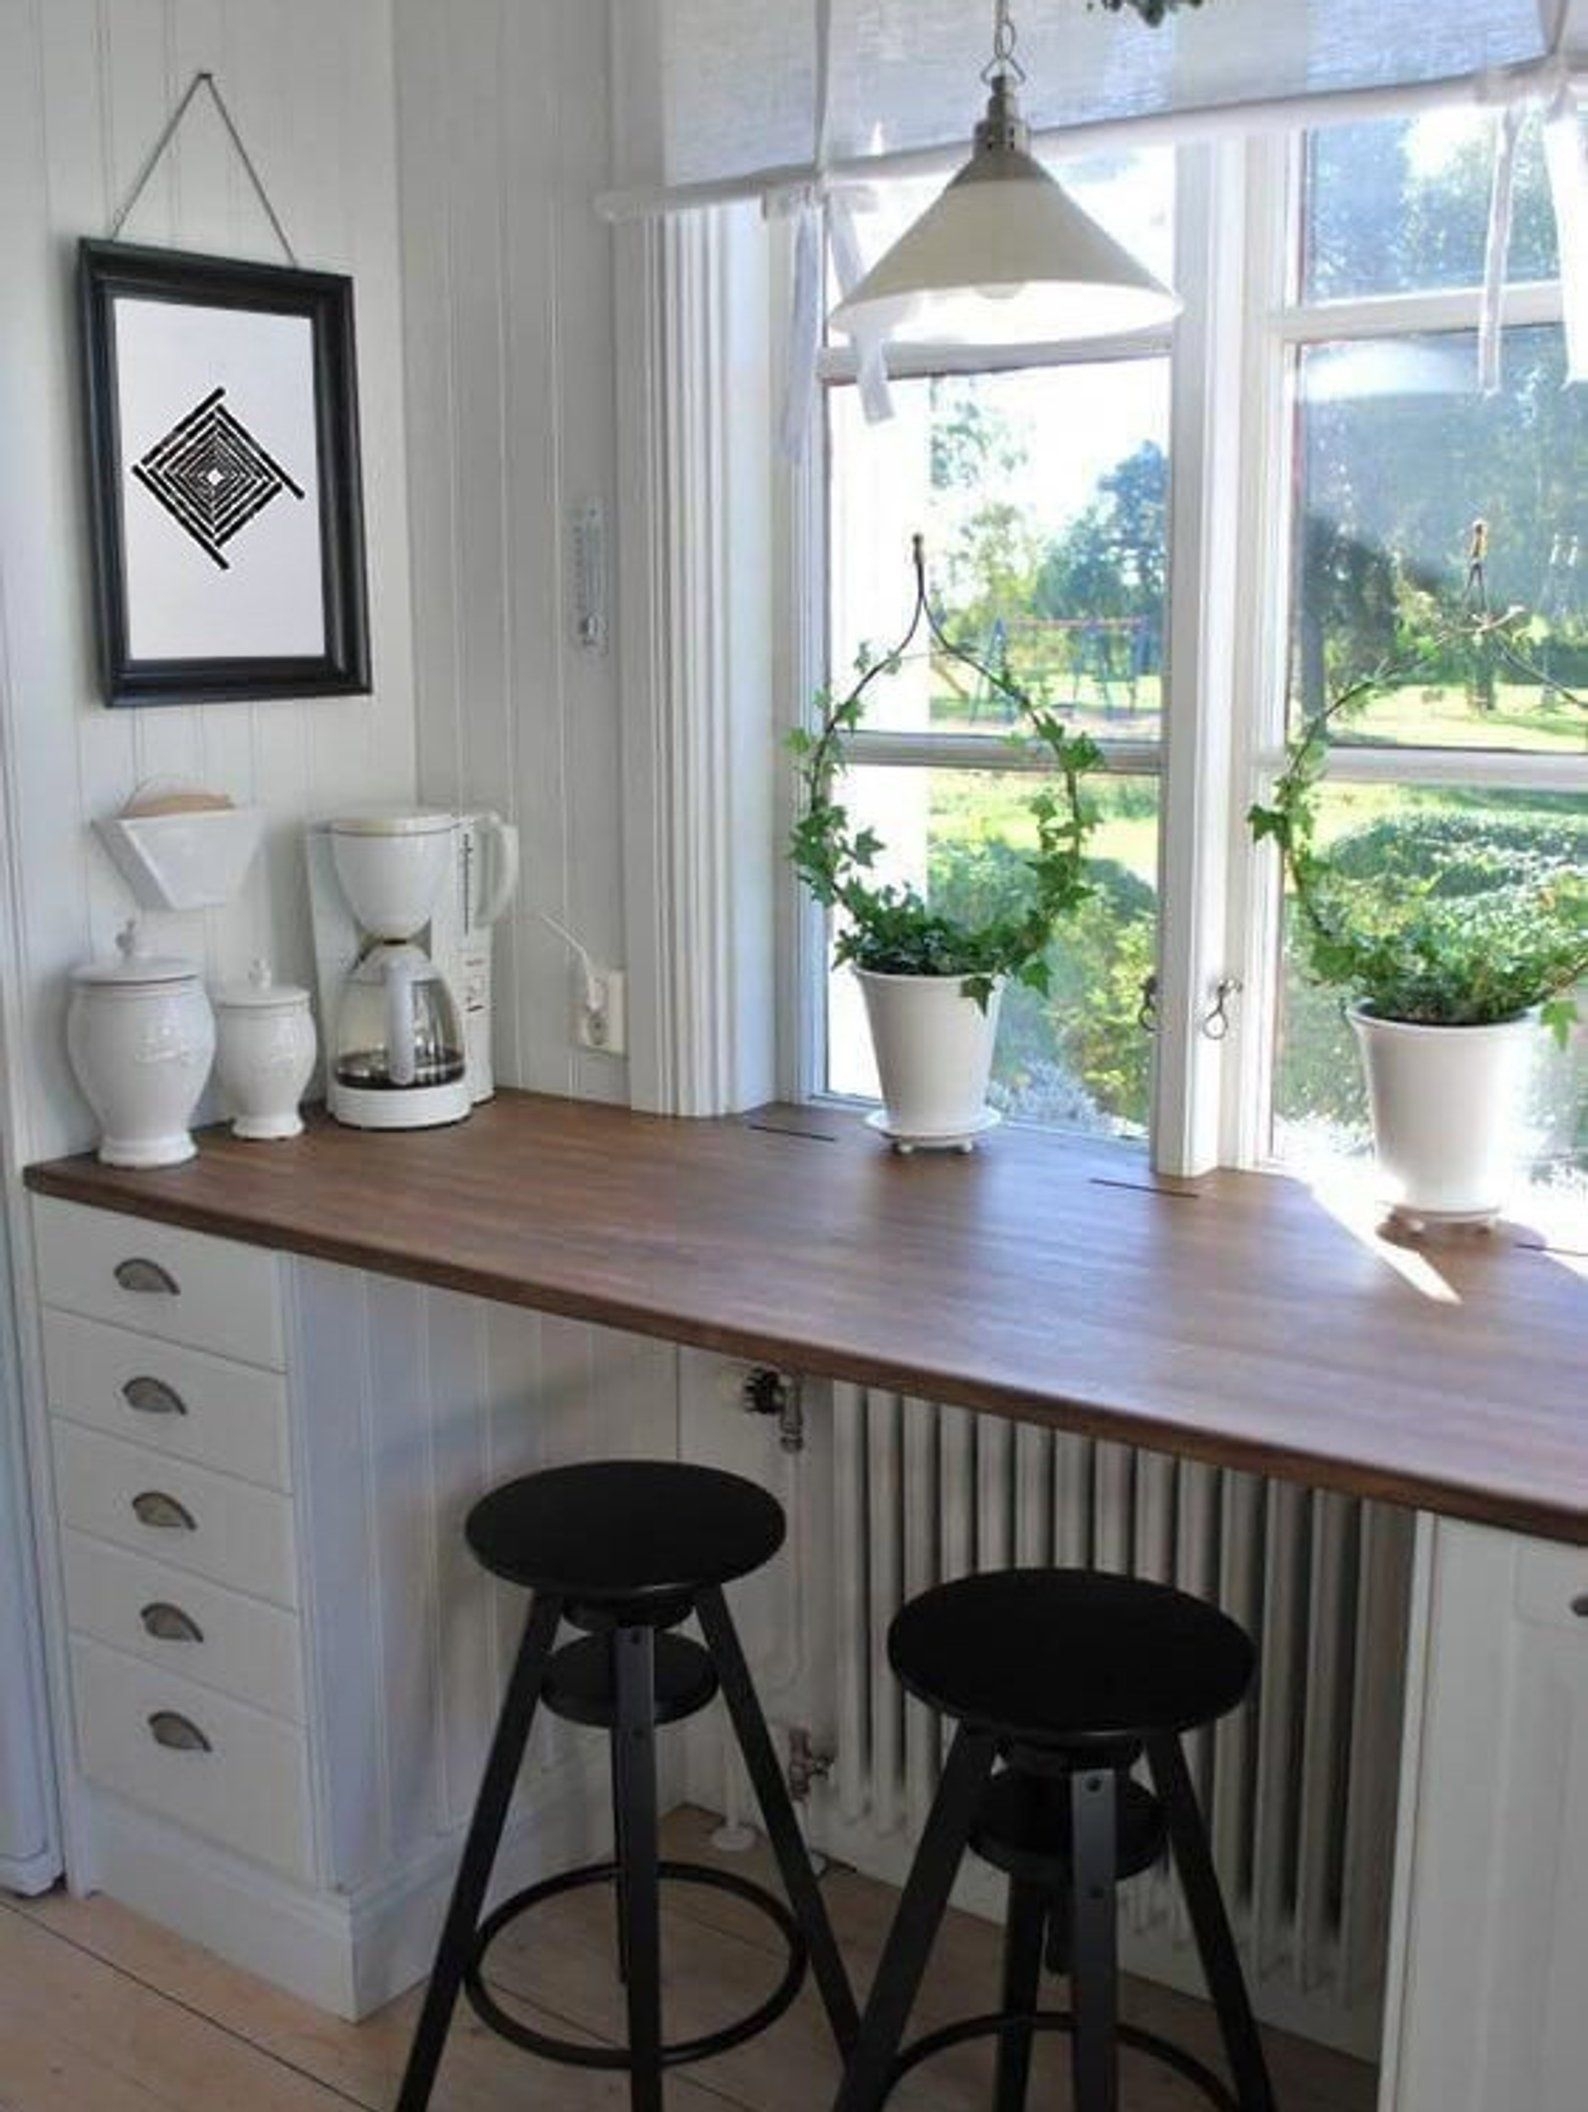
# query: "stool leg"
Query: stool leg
619,1853
916,1923
1028,1909
479,1852
1215,1943
1094,1983
639,1888
777,1810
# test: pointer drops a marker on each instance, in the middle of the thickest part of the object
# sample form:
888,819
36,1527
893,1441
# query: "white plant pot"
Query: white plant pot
1447,1105
934,1049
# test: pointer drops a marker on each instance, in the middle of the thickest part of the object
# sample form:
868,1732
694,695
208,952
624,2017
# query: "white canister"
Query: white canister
265,1053
141,1037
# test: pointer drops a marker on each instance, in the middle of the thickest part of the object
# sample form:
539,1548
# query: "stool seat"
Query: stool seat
1025,1828
1069,1657
625,1529
581,1686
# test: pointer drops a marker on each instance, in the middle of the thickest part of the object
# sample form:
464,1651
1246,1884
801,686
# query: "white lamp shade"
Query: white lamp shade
1005,257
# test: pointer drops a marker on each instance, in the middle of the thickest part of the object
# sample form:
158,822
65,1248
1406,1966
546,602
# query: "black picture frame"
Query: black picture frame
111,271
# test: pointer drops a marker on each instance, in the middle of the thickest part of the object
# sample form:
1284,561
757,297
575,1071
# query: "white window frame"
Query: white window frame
1278,321
1191,760
1238,211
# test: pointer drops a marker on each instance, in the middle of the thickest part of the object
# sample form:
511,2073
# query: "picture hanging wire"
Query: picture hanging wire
204,79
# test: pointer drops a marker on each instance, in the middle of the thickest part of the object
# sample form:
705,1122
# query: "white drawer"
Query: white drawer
246,1785
227,1530
191,1288
184,1624
210,1409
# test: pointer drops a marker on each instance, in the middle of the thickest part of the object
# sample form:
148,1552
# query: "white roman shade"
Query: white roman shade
745,109
796,102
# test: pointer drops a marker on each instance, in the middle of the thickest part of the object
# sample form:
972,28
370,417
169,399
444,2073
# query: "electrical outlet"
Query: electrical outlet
600,1012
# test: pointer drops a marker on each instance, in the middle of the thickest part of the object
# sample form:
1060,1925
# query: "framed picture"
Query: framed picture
223,445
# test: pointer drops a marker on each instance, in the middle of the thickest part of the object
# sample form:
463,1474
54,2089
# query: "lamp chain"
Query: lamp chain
1003,64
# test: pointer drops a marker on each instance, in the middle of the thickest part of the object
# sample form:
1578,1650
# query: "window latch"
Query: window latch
1217,1021
1147,1011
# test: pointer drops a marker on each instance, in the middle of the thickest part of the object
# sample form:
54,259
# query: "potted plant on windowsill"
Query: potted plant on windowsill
933,984
1449,983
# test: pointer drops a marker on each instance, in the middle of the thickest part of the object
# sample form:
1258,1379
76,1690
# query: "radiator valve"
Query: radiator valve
769,1392
806,1765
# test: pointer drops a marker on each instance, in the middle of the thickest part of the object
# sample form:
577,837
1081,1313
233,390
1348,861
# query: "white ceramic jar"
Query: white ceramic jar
141,1037
265,1053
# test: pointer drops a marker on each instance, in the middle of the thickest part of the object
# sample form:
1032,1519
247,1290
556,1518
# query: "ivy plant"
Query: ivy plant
1413,949
890,928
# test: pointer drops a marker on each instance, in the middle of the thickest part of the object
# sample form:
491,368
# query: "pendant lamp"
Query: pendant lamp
1004,256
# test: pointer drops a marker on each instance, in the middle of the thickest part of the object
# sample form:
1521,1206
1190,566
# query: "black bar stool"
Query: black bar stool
626,1550
1066,1677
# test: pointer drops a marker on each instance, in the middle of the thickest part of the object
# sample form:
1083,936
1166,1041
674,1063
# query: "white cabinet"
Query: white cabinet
283,1663
1490,2009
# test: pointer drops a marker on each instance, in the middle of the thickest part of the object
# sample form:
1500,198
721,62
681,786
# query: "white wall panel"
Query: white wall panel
84,89
503,128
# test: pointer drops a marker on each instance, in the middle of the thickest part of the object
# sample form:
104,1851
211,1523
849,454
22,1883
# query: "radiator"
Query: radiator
1298,1786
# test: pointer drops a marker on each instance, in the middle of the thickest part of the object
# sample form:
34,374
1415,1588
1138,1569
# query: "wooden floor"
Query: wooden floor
102,2012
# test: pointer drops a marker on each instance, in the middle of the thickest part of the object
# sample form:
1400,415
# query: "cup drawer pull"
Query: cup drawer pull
1579,1605
169,1624
138,1274
180,1733
153,1397
154,1507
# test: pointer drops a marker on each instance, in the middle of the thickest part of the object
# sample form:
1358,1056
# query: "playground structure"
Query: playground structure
1107,656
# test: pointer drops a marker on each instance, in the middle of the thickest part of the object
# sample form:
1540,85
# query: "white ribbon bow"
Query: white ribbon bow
1546,87
826,222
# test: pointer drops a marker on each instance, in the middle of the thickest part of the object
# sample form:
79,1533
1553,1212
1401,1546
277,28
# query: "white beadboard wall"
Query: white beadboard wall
507,281
85,86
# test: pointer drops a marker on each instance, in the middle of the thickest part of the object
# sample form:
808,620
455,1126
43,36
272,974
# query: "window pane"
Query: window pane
1320,1108
1042,495
1398,456
1403,206
1077,1059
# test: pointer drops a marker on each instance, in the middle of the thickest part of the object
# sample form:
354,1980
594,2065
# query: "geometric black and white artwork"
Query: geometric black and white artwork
212,476
224,439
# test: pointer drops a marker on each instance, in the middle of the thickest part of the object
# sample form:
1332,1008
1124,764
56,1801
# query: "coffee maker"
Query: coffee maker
403,905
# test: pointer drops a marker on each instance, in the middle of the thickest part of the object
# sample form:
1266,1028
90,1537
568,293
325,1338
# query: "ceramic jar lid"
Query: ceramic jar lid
261,993
134,966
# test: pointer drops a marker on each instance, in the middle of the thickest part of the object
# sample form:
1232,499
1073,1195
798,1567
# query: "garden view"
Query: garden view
1043,495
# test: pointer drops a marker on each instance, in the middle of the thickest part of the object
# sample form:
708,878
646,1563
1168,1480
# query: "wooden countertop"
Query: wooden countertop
1238,1318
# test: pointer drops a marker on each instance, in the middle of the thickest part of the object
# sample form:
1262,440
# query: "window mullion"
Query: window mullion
1204,453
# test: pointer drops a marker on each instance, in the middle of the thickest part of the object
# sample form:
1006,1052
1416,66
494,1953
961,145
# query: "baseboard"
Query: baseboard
347,1953
297,1939
30,1874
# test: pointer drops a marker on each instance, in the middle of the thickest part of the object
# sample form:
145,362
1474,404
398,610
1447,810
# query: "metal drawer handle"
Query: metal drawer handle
154,1507
170,1624
153,1397
137,1274
179,1733
1579,1605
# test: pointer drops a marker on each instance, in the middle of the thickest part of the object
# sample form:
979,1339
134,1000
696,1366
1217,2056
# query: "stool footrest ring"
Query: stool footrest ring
580,2055
995,2023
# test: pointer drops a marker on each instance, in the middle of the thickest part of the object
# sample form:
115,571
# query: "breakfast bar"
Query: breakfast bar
1237,1318
313,1356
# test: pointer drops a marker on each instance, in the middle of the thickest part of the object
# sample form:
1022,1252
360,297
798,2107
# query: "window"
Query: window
1359,453
1466,768
1042,491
